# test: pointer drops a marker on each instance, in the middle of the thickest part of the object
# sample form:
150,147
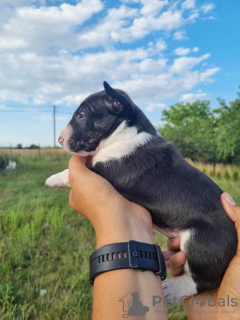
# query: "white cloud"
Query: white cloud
195,49
3,107
153,6
68,79
193,16
206,75
115,26
188,4
160,45
72,99
43,57
48,118
180,35
184,64
182,51
38,29
154,106
206,8
192,97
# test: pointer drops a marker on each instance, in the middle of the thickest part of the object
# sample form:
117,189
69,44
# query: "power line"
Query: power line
37,111
30,111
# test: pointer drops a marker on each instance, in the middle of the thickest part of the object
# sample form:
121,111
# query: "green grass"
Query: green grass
45,245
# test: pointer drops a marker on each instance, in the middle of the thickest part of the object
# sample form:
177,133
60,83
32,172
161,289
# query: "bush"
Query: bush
211,173
219,176
3,162
33,146
235,175
226,175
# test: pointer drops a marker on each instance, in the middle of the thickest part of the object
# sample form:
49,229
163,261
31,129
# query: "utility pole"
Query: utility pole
11,151
54,126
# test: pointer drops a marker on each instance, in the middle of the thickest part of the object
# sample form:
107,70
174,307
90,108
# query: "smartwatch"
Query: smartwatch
127,255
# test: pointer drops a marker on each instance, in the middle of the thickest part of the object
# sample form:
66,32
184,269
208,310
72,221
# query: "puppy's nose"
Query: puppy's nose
60,140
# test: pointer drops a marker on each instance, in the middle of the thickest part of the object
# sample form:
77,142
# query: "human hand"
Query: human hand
114,218
230,285
174,258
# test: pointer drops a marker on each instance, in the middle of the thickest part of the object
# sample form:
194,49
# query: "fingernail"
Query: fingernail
229,199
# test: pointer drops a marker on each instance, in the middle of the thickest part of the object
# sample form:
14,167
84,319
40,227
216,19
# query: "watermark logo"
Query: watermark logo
132,306
201,301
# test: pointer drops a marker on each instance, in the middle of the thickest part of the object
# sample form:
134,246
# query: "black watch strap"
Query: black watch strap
127,255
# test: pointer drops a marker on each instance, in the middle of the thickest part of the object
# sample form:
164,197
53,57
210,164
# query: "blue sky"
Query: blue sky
160,52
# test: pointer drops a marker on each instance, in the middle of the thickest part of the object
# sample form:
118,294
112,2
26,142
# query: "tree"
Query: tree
33,146
19,146
228,136
202,134
192,127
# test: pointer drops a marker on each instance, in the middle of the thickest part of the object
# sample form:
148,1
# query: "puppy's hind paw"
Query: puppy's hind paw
179,288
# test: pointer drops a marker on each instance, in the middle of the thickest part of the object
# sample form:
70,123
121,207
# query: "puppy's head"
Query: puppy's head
95,119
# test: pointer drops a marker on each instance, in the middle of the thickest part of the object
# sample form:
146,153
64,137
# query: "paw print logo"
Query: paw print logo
201,301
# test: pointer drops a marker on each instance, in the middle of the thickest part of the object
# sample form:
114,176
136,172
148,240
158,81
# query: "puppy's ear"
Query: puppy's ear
120,103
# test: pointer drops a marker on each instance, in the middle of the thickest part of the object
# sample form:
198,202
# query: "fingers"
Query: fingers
173,244
174,258
167,255
177,263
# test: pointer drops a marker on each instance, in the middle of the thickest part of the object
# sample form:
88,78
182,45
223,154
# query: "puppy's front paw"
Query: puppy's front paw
59,180
54,181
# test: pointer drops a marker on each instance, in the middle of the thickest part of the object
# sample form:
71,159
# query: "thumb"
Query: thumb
233,211
77,161
230,207
77,166
83,181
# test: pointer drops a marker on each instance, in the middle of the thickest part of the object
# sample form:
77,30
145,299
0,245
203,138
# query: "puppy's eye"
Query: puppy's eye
81,115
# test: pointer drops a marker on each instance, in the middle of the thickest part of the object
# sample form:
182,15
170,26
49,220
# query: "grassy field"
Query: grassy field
45,245
33,152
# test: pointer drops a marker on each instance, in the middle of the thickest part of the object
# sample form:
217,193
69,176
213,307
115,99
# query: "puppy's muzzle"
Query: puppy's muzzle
60,140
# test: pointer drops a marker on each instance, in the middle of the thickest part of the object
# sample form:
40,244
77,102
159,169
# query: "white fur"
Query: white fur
183,285
59,180
65,135
123,141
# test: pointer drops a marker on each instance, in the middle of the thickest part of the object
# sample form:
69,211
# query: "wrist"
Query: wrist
124,229
126,235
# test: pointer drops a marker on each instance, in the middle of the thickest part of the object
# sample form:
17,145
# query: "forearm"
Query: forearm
112,286
115,220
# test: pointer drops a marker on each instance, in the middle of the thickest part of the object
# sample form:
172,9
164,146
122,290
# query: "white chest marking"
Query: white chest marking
122,142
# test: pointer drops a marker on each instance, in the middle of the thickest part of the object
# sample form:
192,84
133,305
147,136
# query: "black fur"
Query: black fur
156,176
